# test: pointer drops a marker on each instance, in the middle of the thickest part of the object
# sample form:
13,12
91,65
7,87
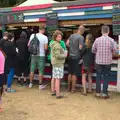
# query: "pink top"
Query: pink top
2,63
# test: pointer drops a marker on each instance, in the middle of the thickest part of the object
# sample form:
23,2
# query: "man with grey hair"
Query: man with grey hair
103,47
75,44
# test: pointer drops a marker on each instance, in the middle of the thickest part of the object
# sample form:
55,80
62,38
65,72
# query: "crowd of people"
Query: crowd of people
24,56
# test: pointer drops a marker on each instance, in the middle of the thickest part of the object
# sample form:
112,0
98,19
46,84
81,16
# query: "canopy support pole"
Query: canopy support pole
118,71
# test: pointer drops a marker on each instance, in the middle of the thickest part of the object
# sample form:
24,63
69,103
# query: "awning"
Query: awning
68,23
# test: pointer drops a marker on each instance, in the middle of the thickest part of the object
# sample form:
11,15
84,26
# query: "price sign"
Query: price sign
52,24
3,19
116,6
116,19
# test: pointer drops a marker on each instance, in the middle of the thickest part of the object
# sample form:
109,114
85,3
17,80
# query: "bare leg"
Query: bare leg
40,79
1,91
25,79
41,86
19,78
57,87
69,82
53,85
90,82
31,77
74,78
84,83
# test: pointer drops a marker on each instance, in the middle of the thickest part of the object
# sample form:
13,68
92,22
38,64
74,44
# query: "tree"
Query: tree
10,3
64,0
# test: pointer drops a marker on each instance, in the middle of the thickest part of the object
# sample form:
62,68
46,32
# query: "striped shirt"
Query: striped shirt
104,47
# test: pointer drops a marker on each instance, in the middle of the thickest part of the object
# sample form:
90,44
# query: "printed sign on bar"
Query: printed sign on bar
8,18
52,24
116,19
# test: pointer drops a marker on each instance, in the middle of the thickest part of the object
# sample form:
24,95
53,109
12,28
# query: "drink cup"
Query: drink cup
66,52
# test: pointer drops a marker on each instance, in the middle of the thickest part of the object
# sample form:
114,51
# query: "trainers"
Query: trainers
18,82
98,95
11,90
105,96
53,94
59,97
26,84
41,87
30,85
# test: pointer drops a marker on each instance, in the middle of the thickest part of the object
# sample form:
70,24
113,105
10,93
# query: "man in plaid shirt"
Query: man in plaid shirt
103,47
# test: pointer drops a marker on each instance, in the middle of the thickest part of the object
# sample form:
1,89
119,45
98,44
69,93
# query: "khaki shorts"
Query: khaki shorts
37,62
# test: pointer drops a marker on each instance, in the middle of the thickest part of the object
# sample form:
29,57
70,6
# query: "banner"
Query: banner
116,19
9,18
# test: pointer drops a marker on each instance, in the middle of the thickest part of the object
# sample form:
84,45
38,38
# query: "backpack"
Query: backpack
34,46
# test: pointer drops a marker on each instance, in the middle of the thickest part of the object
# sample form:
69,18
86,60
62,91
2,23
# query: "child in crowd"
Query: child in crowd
58,55
62,43
2,76
88,60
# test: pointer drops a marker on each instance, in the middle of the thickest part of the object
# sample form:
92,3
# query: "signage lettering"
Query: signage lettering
52,24
9,18
116,19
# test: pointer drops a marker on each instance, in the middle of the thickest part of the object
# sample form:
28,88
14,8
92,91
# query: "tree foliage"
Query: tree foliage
64,0
10,3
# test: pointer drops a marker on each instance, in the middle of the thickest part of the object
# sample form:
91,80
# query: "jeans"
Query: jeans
10,77
103,72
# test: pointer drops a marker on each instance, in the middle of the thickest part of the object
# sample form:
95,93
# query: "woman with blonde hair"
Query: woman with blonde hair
87,67
58,55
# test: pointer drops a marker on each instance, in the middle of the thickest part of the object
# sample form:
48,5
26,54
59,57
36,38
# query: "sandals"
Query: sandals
53,94
84,94
68,90
90,91
73,91
59,97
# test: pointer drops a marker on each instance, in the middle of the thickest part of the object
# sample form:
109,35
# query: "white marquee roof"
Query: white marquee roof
37,2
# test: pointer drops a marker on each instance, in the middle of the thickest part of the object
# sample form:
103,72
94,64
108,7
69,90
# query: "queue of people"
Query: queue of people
20,56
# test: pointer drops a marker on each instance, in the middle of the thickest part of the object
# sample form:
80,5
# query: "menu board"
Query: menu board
51,24
8,18
116,19
3,19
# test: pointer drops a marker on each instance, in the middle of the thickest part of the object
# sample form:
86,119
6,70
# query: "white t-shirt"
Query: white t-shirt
43,40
